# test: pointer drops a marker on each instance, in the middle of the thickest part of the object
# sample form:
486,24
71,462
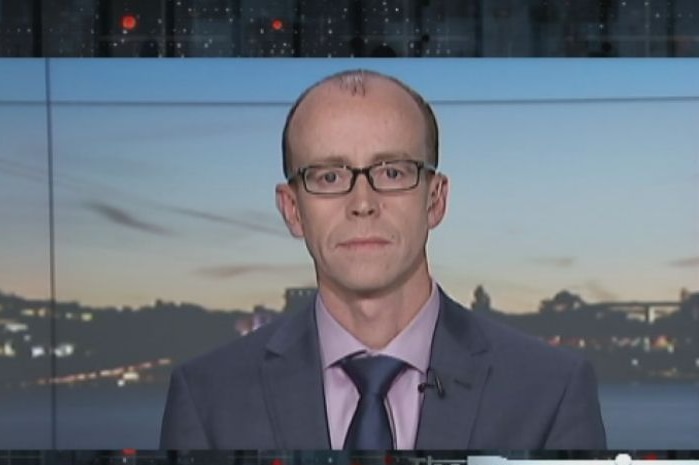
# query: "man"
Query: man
384,358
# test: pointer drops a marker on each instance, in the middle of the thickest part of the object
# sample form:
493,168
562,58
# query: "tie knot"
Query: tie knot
373,375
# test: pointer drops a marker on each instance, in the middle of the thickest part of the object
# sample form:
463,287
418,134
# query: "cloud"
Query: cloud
25,171
123,218
556,262
691,262
232,271
599,292
272,229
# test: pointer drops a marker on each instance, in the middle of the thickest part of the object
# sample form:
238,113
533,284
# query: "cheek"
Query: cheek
406,223
414,213
316,221
416,225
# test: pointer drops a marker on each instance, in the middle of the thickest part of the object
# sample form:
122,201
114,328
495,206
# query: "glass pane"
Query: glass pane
572,205
25,293
580,226
162,212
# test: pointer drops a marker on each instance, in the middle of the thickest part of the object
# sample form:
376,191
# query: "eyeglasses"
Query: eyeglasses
385,176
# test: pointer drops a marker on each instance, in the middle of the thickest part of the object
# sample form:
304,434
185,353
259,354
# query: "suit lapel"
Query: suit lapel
460,358
292,380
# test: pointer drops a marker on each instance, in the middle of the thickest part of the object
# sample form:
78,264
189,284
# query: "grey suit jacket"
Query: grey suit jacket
503,390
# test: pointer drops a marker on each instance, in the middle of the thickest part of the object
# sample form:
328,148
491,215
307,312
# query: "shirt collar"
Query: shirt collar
412,345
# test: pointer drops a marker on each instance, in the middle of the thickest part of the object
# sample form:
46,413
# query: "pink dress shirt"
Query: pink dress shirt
412,345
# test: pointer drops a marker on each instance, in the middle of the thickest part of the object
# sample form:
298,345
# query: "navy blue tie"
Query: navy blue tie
370,428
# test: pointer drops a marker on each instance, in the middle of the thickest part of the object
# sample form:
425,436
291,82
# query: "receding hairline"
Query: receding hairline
355,82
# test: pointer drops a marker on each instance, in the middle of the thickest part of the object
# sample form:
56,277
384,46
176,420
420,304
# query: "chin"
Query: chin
368,284
365,278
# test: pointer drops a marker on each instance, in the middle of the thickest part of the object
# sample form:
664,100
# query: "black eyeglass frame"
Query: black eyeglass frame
420,166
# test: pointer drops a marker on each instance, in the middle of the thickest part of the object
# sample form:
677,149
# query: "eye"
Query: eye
325,175
393,173
329,177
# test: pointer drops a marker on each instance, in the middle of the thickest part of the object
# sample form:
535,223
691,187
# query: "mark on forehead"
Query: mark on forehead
354,82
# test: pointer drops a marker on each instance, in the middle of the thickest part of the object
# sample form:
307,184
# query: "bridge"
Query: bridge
647,311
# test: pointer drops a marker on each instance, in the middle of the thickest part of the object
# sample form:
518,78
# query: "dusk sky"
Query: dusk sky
565,174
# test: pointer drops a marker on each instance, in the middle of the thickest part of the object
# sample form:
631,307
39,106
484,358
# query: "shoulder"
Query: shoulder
549,394
239,357
525,348
510,346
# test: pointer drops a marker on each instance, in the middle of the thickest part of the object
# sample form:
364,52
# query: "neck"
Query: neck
376,318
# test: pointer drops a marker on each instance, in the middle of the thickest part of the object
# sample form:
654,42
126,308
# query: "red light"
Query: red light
129,22
129,452
277,24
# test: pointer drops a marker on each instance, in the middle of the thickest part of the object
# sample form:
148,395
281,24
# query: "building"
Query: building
298,297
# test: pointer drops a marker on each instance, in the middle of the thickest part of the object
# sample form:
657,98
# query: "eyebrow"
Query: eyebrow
376,158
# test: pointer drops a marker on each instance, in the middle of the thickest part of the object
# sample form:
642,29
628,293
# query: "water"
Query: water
657,417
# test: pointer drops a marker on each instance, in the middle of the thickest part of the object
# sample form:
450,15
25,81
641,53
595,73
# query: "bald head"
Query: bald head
358,83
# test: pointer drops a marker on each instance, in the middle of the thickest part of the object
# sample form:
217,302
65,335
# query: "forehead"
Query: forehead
334,121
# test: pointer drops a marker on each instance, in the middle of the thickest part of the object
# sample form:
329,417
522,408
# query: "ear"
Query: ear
287,204
437,202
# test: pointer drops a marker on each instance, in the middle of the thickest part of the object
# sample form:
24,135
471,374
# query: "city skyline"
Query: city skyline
152,202
657,307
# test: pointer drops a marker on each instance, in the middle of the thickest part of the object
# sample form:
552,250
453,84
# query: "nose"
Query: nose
363,199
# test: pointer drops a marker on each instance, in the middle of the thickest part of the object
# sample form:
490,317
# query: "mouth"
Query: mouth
364,243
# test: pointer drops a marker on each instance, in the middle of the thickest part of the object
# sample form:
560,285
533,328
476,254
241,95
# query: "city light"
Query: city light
277,25
123,375
129,22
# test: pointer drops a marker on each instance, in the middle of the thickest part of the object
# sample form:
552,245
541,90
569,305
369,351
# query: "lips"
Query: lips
364,242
